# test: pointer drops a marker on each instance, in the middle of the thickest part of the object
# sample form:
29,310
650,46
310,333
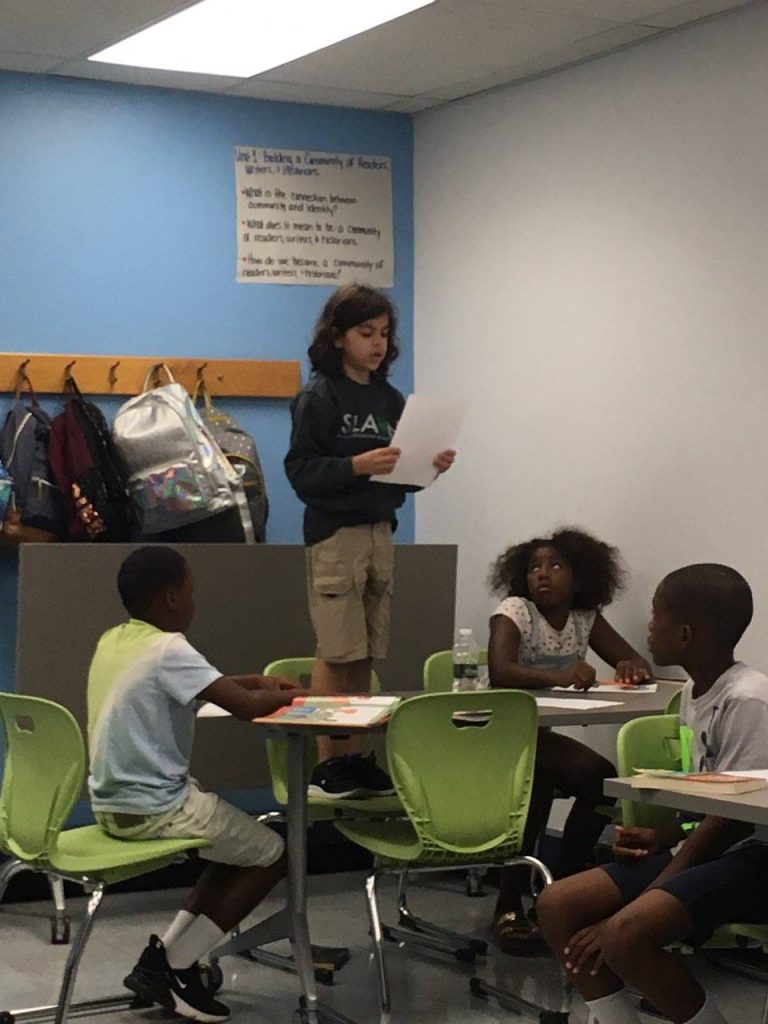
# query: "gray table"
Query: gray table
631,704
750,807
291,922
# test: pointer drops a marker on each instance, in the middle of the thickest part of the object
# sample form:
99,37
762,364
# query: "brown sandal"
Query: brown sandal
514,935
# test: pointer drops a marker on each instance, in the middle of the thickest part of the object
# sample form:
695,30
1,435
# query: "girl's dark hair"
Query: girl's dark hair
145,573
350,305
596,566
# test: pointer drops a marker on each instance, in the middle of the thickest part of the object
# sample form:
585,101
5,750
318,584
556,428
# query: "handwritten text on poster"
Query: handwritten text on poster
313,218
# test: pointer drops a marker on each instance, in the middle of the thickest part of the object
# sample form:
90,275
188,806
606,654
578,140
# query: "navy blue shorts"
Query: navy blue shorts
733,889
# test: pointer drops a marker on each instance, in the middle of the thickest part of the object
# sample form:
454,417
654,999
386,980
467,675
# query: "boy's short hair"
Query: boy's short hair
712,597
145,573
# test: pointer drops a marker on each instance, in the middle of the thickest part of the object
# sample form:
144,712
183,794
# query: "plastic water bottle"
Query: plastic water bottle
466,656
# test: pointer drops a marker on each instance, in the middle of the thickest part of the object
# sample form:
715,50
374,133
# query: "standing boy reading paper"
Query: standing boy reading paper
610,925
144,682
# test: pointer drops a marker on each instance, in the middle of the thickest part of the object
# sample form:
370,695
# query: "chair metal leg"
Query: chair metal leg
764,1017
75,954
59,921
419,932
475,882
378,947
8,870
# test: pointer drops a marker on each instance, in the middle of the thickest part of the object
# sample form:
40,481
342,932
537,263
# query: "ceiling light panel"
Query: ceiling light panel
242,38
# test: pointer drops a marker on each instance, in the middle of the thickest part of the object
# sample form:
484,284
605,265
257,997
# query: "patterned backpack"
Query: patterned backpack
240,450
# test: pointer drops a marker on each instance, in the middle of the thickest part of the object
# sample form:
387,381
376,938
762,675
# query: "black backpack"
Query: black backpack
85,467
24,452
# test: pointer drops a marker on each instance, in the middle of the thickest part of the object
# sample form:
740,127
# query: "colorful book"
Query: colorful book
715,783
353,712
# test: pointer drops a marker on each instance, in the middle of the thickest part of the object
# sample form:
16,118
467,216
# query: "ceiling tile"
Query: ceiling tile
143,76
69,28
607,10
435,47
681,14
292,93
413,104
35,62
557,58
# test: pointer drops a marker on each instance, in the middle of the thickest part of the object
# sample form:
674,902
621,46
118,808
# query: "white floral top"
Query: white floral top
541,646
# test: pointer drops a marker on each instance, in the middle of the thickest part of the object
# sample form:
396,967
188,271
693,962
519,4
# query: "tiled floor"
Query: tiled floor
426,989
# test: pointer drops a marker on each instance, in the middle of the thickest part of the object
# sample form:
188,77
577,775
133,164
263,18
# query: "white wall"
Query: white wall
592,272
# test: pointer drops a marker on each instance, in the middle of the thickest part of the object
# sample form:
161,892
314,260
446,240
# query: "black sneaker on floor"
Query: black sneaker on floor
369,775
150,978
192,997
332,778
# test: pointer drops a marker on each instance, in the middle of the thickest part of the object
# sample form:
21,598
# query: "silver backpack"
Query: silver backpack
176,472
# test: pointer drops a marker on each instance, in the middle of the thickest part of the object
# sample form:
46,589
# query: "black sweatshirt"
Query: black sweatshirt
335,418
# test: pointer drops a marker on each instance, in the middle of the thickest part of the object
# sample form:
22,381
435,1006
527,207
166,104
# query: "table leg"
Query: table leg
297,874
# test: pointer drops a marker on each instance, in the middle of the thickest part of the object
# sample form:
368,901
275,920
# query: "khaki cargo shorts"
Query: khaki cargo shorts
236,837
349,583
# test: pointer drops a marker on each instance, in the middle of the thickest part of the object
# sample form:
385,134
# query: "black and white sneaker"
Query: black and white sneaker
333,779
192,997
373,779
150,978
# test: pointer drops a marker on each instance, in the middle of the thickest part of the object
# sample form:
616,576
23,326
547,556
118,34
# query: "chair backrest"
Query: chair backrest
673,708
438,670
652,742
277,750
465,785
43,774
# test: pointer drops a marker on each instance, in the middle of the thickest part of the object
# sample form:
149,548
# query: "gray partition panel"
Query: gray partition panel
251,609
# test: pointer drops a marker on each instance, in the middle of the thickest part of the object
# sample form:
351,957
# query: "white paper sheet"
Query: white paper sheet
208,710
579,705
427,427
608,688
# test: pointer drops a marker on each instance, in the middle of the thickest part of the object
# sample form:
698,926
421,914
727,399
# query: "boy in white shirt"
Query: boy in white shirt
143,687
610,925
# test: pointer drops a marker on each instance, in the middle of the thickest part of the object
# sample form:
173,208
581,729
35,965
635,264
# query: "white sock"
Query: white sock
708,1014
199,938
179,924
613,1009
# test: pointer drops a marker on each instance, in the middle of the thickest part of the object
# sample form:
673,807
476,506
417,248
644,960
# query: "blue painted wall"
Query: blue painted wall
117,235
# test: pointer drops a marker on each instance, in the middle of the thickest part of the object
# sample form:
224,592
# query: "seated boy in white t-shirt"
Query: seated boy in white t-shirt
610,925
143,686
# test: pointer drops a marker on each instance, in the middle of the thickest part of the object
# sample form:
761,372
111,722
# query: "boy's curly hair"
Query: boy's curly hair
349,306
596,566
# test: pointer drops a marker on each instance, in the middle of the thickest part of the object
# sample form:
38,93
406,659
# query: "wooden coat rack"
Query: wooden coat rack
125,375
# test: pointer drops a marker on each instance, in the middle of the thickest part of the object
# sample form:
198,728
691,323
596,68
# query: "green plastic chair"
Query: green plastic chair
44,772
673,708
438,670
660,742
462,765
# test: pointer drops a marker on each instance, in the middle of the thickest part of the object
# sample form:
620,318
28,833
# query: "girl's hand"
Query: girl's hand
378,462
580,676
444,460
635,843
630,673
583,951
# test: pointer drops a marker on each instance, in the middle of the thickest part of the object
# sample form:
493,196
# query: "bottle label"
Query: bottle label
462,670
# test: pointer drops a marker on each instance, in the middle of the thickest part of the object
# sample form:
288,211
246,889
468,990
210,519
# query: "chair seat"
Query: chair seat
321,809
397,841
90,851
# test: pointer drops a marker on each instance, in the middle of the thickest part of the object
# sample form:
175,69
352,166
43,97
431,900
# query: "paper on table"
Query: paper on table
609,688
427,426
208,710
580,705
